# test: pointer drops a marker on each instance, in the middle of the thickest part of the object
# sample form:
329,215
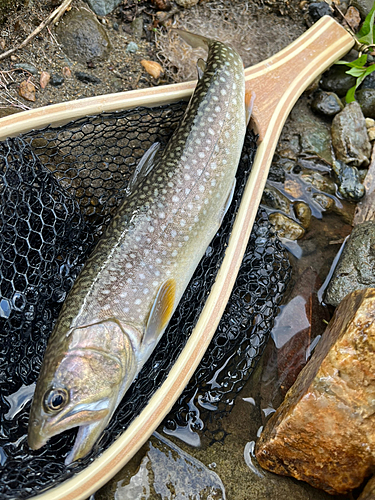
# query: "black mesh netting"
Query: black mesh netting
58,188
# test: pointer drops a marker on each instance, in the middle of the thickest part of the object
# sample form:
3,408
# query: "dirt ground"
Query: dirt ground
256,28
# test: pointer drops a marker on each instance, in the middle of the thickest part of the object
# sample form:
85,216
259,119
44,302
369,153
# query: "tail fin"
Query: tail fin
193,40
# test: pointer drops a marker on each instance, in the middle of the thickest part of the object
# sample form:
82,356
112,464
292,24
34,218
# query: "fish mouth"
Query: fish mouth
84,416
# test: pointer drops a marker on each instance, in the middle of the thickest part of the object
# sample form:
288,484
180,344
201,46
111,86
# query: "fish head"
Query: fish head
80,388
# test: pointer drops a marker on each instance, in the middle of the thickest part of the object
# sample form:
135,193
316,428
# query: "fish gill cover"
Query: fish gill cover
59,188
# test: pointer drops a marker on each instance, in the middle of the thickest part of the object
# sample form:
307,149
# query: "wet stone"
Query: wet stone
325,202
336,80
368,82
81,36
356,267
327,103
162,470
349,136
348,179
286,227
303,213
273,198
318,180
366,99
324,431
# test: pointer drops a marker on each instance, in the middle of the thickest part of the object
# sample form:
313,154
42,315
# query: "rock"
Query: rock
369,492
56,80
82,37
153,68
349,136
356,267
27,67
186,3
66,72
86,77
132,47
277,172
364,6
371,133
162,4
137,27
273,198
325,202
366,99
103,7
368,82
162,470
353,18
318,180
365,209
350,186
303,213
286,227
370,122
319,9
327,103
27,90
336,80
44,79
6,8
324,431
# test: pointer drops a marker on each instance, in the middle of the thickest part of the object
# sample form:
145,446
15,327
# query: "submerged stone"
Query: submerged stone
350,186
349,136
163,470
324,431
274,198
82,38
356,267
303,213
366,99
286,227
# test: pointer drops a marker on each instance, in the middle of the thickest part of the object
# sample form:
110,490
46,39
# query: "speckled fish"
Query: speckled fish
131,284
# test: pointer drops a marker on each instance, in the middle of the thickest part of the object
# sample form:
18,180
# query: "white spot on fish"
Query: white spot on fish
137,302
128,265
201,188
106,292
199,171
142,276
129,280
182,222
175,199
145,291
174,253
173,233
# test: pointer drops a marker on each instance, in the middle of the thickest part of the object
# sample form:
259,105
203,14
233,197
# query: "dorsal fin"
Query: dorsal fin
161,311
194,40
144,167
201,67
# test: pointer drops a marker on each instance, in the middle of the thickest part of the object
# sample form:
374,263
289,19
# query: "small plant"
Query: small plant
365,43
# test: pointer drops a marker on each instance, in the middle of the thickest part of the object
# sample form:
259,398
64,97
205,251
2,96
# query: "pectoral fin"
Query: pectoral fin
194,40
161,311
144,167
201,67
249,102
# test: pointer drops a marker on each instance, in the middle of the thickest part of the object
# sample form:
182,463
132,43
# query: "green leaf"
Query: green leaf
366,33
350,94
358,63
357,72
370,69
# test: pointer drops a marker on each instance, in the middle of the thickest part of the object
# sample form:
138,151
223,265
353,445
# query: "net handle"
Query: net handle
278,82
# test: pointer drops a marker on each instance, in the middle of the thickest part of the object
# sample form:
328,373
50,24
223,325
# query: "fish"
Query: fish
129,287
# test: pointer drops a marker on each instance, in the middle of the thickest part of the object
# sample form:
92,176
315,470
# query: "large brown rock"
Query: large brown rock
324,431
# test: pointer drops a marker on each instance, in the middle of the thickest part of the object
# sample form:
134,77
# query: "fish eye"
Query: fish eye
55,399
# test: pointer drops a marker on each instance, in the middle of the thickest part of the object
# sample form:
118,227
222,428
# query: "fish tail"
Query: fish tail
194,40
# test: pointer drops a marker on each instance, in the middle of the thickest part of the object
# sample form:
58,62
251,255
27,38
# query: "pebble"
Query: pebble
132,47
371,133
103,7
319,9
303,213
27,67
327,103
286,227
350,186
370,122
56,80
366,99
86,77
273,198
44,79
353,18
27,90
336,80
66,72
153,68
325,202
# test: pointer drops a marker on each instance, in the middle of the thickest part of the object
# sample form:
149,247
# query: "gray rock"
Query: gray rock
103,7
349,136
82,38
56,80
368,82
366,99
350,186
165,471
132,47
336,80
327,103
86,77
28,67
137,27
364,6
356,267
